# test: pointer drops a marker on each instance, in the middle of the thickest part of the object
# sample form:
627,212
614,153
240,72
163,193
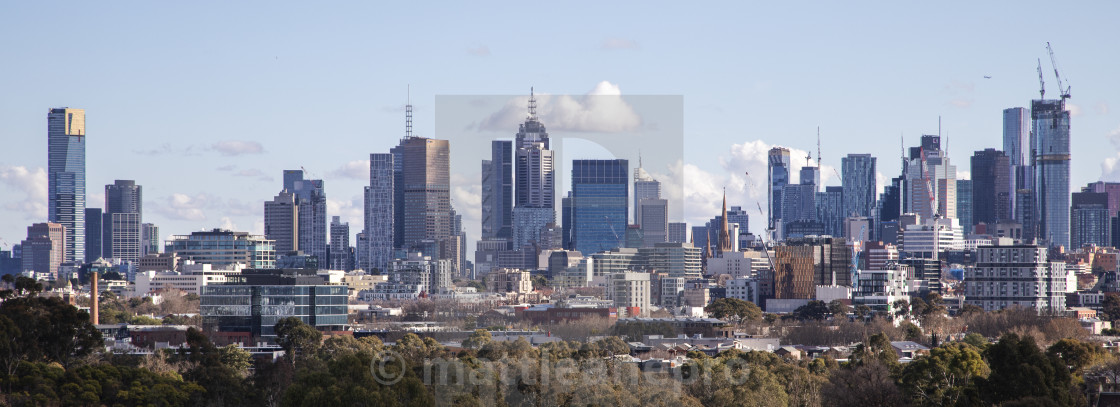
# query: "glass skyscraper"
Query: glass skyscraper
66,177
599,204
1050,143
379,213
991,196
965,204
497,191
121,222
777,175
859,184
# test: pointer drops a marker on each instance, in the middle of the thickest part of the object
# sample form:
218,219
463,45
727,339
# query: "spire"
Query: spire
724,229
818,146
532,104
408,114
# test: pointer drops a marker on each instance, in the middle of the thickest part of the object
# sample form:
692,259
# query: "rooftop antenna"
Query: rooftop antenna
532,104
408,114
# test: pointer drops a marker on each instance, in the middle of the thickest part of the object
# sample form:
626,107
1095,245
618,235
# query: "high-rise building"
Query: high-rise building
427,190
66,177
802,264
1017,147
497,191
379,214
654,221
340,245
93,234
965,204
149,239
778,176
44,249
678,232
991,196
1089,220
599,204
122,221
534,197
829,204
311,197
281,222
1050,143
1110,188
859,185
931,181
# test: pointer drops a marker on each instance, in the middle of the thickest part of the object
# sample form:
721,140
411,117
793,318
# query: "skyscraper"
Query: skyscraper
991,196
311,197
599,204
777,175
931,187
427,190
859,185
534,197
651,213
122,221
829,205
93,234
379,213
149,239
281,222
497,191
1089,220
1050,143
340,245
1017,147
66,177
966,206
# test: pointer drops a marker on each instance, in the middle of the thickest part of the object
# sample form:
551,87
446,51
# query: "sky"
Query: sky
204,104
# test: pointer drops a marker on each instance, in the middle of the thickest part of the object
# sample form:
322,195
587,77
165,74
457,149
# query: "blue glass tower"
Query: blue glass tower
1051,153
599,204
66,177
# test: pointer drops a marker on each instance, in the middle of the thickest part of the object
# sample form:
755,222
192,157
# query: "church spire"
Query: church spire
724,230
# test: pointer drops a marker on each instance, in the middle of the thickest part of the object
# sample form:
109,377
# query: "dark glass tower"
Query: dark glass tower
599,204
991,190
66,177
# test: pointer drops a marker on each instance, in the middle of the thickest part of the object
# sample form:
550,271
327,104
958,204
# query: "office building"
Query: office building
991,197
1050,141
859,185
675,259
965,205
122,221
1110,188
44,250
1007,275
249,310
427,190
415,276
534,195
678,232
149,239
630,290
281,222
1089,220
830,205
311,198
379,214
1017,147
94,233
224,248
497,191
599,204
802,264
66,177
778,176
340,253
654,220
931,237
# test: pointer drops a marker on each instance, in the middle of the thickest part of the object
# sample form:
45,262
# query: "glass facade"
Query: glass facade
599,204
965,204
858,172
777,174
257,309
222,248
1050,142
66,177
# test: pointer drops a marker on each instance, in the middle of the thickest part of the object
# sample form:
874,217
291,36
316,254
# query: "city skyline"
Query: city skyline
244,155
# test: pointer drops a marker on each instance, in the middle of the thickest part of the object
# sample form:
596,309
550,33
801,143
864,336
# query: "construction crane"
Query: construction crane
929,185
1064,91
1041,82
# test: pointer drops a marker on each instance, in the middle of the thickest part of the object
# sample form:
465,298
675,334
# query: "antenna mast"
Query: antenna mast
532,104
818,146
408,114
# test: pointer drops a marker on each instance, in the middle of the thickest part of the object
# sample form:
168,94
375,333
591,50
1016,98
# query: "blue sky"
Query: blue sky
205,103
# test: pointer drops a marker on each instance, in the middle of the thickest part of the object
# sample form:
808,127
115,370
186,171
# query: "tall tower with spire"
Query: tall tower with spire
725,244
534,192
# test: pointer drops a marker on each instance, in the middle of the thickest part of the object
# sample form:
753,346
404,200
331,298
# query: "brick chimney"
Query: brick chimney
93,294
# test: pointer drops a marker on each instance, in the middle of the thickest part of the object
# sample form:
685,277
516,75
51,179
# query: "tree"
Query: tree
813,310
947,376
478,339
866,385
976,340
838,308
901,308
1021,371
1110,307
727,307
49,330
612,345
862,311
969,310
1077,355
296,337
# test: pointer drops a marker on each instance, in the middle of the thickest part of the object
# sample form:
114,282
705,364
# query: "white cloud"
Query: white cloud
179,206
1110,170
227,223
352,211
466,197
602,110
1074,110
964,174
479,51
357,169
31,183
619,43
235,147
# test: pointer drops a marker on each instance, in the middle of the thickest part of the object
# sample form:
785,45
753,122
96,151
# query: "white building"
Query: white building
630,289
931,237
191,280
412,277
509,281
744,288
738,264
879,289
1008,274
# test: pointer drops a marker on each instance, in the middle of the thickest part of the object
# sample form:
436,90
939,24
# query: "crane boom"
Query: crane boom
1064,91
1041,82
